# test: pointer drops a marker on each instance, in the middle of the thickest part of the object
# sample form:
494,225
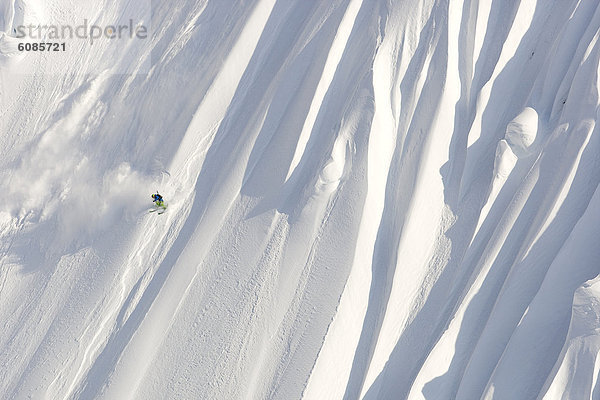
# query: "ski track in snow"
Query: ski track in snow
368,199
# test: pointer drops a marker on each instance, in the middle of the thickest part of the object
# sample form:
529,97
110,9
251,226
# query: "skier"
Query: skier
159,202
158,199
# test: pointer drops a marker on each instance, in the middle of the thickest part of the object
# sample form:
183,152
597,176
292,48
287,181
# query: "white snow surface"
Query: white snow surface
522,130
368,199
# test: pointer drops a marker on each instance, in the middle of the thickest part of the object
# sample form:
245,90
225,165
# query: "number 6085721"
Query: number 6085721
42,46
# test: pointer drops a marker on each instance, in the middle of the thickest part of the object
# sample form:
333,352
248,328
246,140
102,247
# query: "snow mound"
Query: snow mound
504,161
522,130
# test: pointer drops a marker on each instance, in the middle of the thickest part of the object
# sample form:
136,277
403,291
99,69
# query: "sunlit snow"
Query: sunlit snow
367,199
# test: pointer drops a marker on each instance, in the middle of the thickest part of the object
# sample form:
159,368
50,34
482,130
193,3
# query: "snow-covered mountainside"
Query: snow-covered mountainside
367,199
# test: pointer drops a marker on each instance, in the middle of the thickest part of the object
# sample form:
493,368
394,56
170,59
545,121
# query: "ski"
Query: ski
161,210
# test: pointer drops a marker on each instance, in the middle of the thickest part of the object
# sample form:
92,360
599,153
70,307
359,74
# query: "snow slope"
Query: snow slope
368,199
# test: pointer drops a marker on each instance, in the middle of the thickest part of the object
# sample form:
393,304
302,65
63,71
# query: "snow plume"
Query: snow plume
58,177
102,201
46,172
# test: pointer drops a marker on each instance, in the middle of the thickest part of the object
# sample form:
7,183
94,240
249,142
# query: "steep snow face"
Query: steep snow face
368,199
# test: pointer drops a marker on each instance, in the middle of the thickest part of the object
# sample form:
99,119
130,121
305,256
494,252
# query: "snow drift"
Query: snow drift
522,130
368,199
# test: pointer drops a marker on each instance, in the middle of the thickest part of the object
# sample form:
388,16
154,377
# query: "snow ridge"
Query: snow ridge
368,199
